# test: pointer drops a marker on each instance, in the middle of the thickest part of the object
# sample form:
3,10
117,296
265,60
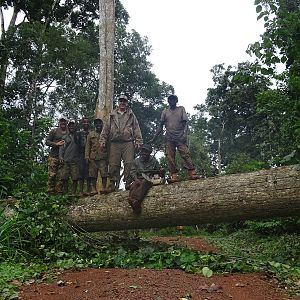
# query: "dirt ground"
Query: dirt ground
144,284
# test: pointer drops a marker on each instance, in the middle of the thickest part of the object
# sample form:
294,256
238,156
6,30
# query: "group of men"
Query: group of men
82,155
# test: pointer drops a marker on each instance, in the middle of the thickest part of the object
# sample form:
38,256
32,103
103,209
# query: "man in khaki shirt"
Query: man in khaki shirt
122,133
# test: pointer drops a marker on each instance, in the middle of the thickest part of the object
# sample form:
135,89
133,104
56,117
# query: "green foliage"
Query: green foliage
242,163
12,272
273,250
37,233
49,65
232,105
275,135
274,226
36,229
279,44
19,171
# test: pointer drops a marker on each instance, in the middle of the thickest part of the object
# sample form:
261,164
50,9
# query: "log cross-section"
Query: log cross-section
262,194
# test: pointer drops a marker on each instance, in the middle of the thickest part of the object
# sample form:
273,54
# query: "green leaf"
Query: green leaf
256,2
283,59
260,15
265,71
207,272
258,8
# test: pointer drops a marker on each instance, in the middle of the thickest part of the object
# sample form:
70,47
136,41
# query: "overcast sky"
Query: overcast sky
189,37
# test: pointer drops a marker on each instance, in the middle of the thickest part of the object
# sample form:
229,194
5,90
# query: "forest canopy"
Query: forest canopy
49,65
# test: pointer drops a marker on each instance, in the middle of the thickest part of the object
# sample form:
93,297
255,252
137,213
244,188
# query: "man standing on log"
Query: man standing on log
123,134
54,140
69,158
175,121
96,157
145,172
83,164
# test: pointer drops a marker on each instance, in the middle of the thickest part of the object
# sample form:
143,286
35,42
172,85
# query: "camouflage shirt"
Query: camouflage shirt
92,147
139,167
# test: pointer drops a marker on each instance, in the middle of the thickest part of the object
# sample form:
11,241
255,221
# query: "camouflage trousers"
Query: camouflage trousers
98,165
54,175
184,152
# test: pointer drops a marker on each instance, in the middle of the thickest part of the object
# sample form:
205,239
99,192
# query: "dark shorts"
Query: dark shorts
98,165
83,169
70,169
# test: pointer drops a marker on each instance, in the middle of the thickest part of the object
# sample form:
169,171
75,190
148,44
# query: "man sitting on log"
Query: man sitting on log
145,172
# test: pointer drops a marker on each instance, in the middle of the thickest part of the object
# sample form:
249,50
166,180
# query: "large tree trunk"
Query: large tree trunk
262,194
106,69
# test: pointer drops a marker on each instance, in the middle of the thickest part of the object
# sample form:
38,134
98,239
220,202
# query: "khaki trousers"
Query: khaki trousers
120,151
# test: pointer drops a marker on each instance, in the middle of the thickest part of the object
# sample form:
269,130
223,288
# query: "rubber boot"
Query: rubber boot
94,190
173,178
74,188
127,186
193,175
111,187
104,186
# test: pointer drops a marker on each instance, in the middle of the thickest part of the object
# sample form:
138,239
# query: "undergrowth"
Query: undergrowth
35,240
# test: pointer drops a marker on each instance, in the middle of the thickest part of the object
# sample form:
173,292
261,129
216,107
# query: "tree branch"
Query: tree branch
1,23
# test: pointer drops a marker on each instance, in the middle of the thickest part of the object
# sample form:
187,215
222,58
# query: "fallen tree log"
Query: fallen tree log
262,194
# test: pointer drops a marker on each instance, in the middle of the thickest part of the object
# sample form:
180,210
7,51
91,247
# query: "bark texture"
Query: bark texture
263,194
106,68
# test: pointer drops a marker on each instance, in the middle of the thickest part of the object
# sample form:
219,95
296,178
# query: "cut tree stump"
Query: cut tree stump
263,194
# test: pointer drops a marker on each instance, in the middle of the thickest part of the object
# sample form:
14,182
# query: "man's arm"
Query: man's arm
49,138
158,132
133,171
61,150
105,134
137,132
160,126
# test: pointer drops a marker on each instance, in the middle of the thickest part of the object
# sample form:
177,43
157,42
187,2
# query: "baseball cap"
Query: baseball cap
122,96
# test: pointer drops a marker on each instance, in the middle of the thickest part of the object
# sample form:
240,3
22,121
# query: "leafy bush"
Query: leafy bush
243,163
37,229
20,170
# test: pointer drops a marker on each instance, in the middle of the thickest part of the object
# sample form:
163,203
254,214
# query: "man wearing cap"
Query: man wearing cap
175,121
123,134
83,163
54,141
69,158
145,171
97,157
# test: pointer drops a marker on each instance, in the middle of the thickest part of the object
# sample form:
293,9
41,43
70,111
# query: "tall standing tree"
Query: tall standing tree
280,46
106,62
232,107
